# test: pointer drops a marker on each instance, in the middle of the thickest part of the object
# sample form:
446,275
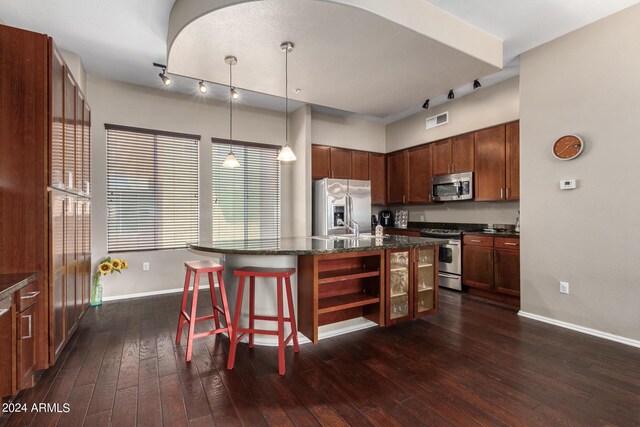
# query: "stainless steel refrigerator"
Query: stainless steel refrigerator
341,199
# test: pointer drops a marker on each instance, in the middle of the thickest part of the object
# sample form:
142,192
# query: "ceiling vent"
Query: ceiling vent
439,120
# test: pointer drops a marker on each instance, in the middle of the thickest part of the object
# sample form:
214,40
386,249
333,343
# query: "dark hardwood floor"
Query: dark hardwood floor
471,364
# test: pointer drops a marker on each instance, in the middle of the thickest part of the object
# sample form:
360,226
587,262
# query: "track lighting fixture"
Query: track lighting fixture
234,93
231,161
286,153
201,87
476,84
426,104
451,94
166,80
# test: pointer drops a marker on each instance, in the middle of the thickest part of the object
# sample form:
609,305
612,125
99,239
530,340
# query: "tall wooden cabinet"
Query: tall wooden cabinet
45,174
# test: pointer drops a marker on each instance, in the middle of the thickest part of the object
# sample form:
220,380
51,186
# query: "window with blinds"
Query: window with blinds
152,189
246,200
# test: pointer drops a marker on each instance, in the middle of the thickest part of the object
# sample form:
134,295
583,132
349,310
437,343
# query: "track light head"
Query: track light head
201,87
166,80
476,84
234,93
426,104
451,94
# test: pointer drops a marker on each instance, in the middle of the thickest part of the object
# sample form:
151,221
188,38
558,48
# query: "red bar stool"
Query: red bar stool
202,267
279,274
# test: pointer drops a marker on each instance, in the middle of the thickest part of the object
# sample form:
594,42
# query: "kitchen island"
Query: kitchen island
342,284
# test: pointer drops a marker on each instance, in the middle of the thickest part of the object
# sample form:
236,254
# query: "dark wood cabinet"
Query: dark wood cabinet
441,157
419,171
45,171
320,162
7,346
492,266
397,177
340,163
490,164
462,153
378,178
512,166
360,165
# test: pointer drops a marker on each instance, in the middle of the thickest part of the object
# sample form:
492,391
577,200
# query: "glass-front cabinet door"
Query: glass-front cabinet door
425,280
399,290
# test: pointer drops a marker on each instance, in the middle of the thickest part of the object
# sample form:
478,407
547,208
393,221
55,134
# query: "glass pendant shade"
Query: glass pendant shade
286,154
231,161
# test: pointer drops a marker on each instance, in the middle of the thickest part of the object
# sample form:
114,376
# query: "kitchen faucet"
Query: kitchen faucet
355,229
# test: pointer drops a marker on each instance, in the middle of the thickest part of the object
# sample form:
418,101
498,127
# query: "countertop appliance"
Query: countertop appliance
341,201
452,187
386,218
449,256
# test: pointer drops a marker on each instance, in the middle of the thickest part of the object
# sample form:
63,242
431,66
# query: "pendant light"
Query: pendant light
231,161
286,153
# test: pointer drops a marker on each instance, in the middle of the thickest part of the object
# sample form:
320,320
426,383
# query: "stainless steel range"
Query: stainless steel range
450,256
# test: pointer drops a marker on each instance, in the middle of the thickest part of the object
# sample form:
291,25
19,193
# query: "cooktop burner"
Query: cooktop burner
440,232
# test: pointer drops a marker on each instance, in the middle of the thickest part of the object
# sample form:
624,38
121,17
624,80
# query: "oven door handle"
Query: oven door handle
453,242
449,276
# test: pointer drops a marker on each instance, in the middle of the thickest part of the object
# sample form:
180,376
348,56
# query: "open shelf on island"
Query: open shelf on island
347,274
342,302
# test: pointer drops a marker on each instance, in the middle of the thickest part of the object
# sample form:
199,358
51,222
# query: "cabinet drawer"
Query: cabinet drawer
507,243
478,240
27,296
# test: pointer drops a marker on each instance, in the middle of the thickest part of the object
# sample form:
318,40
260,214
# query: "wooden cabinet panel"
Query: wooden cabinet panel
507,271
477,266
320,162
86,292
340,163
80,255
79,152
56,154
26,350
419,171
477,240
8,346
378,177
489,164
512,167
69,131
86,150
462,155
397,177
359,165
70,261
58,273
442,157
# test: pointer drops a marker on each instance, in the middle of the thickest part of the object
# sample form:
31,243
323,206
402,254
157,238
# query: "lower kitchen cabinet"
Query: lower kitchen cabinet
7,347
491,267
411,284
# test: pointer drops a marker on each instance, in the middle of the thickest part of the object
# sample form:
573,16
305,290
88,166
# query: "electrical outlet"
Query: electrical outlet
564,287
145,266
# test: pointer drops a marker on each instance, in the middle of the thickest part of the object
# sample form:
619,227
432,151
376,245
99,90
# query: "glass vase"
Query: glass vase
96,292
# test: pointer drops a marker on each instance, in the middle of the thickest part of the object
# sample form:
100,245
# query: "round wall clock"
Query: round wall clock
568,147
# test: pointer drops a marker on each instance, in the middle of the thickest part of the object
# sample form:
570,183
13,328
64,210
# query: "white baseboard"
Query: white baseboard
584,330
149,294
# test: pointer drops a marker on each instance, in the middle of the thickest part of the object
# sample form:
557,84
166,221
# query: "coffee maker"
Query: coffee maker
386,218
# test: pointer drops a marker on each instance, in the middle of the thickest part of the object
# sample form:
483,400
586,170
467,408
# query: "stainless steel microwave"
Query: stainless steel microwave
457,186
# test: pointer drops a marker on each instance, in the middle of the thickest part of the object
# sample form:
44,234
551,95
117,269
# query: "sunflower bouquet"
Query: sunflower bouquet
106,266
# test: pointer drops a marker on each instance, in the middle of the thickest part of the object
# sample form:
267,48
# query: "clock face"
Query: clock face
568,147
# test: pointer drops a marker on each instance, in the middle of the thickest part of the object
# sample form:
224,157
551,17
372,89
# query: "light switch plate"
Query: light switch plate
567,184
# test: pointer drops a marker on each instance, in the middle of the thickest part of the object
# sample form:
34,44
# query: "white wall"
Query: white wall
483,108
586,83
348,132
131,105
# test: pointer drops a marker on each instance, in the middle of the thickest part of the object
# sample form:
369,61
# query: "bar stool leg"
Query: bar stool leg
214,300
236,318
192,318
280,328
292,318
183,308
225,305
252,307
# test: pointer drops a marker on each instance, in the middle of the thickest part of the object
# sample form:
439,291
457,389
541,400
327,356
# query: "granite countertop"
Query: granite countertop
311,245
9,283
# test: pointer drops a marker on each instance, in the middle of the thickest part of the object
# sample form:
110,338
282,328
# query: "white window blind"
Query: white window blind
152,189
246,200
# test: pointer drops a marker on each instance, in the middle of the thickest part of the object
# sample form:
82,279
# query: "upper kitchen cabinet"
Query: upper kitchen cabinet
397,177
340,163
512,166
359,165
490,164
497,163
453,155
419,162
320,162
378,178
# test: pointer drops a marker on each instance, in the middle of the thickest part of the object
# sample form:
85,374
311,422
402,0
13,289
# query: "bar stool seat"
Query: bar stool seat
280,274
202,267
